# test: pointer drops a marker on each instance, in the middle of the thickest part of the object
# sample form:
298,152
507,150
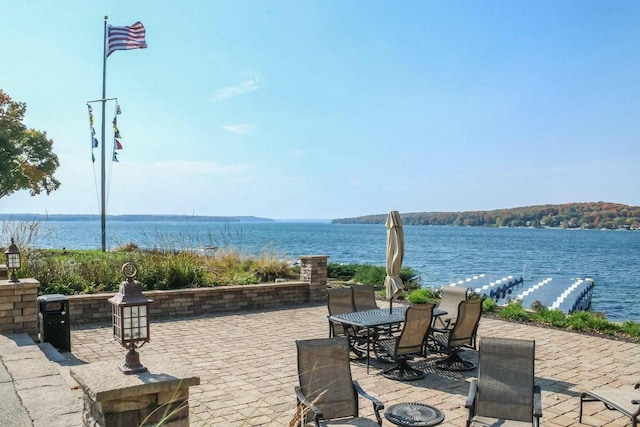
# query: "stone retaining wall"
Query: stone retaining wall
192,302
18,307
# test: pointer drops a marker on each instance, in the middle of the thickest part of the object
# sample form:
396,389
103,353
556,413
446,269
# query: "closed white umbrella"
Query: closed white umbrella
395,255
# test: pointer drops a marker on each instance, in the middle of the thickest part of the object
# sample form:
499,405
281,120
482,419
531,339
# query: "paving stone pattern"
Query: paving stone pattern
247,367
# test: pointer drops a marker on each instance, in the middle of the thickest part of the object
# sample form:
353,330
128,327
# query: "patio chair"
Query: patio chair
339,300
450,299
364,297
626,401
411,341
327,391
462,335
504,392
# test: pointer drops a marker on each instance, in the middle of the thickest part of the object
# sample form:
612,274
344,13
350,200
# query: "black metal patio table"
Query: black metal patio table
372,319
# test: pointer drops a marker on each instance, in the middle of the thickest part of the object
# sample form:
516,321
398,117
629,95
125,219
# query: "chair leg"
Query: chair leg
402,371
455,363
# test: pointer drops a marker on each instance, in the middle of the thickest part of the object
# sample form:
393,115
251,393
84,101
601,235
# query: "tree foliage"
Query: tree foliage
595,215
26,156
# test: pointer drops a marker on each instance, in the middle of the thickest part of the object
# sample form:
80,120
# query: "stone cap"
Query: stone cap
104,381
23,283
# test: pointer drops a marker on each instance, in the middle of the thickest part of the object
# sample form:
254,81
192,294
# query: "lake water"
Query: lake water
438,254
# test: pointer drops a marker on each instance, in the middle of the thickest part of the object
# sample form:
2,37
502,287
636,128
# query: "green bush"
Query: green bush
341,271
515,311
553,317
631,328
371,275
421,296
489,306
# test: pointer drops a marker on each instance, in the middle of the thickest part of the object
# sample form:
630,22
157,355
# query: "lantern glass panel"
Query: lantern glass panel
117,328
13,260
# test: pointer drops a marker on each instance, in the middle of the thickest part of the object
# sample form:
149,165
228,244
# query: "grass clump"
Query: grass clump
589,322
73,272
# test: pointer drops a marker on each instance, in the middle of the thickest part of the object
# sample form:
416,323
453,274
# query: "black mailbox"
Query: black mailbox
53,321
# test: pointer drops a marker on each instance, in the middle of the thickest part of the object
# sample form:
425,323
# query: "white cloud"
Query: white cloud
239,128
232,91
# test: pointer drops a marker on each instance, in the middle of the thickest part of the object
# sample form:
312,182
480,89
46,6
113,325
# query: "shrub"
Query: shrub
537,306
489,305
631,328
341,271
421,296
587,321
514,311
553,317
370,274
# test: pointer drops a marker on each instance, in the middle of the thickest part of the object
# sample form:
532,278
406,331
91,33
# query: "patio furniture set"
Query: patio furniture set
327,395
503,393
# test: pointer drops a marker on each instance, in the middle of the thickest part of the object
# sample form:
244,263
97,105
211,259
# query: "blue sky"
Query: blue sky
329,109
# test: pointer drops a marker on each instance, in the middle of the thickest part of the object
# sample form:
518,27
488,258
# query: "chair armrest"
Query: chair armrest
317,413
441,330
537,402
473,390
376,403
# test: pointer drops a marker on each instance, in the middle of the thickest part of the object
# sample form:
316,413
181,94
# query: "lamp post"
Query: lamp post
12,258
130,311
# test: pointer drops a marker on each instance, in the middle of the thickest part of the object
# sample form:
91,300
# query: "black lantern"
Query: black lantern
12,259
130,319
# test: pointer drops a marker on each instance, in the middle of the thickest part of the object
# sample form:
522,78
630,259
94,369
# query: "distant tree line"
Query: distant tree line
595,215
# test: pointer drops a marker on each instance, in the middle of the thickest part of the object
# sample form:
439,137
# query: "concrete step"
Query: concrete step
46,395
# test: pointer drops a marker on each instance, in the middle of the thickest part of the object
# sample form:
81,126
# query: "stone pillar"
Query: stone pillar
113,399
19,307
313,270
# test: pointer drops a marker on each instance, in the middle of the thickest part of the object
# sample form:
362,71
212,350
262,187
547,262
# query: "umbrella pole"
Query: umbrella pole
390,304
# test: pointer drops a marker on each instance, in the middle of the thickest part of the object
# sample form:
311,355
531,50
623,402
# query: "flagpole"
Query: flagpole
103,213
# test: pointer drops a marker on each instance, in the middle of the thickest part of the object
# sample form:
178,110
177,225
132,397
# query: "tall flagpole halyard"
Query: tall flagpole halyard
103,213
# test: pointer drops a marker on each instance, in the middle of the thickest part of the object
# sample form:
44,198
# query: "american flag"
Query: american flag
125,38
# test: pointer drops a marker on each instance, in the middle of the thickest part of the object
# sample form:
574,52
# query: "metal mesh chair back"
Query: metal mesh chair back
451,297
325,376
505,378
464,331
364,297
416,326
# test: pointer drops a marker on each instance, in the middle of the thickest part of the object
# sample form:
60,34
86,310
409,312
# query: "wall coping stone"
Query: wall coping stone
104,381
23,283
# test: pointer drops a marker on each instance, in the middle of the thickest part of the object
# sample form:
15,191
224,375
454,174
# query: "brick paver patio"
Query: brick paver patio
247,366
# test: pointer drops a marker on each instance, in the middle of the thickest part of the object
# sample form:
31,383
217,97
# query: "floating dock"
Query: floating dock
565,294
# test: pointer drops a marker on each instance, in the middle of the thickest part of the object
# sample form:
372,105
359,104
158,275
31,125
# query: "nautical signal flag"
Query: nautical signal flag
125,38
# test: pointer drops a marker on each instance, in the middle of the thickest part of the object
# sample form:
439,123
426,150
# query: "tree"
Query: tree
26,155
